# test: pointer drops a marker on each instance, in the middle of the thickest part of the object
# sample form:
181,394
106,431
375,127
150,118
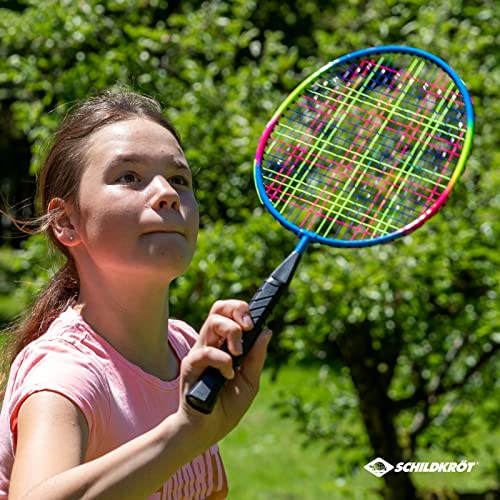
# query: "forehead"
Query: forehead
138,136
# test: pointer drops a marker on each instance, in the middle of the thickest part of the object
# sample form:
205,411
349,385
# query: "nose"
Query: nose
164,194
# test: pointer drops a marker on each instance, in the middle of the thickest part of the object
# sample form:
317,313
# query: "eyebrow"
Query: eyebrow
133,159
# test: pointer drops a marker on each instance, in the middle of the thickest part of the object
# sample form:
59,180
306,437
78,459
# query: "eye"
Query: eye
128,178
179,180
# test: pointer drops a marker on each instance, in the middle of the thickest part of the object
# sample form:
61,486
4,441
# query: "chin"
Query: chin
171,265
178,255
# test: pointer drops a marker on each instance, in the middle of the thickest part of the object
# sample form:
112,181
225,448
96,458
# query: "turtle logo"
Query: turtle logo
378,467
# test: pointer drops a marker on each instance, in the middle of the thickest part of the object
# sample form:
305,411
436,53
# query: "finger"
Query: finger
235,309
218,328
199,359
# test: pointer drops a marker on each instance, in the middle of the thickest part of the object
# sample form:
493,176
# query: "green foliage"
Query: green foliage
226,261
425,309
23,273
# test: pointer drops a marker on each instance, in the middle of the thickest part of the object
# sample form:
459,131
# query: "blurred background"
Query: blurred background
389,352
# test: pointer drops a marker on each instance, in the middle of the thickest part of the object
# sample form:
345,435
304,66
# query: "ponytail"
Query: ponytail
61,292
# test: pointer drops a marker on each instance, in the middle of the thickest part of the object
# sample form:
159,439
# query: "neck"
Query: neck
133,317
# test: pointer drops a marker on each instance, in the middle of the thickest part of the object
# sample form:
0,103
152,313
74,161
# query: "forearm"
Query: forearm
134,470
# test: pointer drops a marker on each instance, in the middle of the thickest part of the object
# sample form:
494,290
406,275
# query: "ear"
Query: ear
62,223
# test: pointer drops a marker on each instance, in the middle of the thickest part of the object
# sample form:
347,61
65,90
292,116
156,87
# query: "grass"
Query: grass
266,459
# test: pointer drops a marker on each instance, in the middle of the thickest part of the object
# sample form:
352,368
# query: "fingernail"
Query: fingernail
268,334
247,321
239,348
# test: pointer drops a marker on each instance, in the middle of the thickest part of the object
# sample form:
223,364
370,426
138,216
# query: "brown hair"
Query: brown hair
59,177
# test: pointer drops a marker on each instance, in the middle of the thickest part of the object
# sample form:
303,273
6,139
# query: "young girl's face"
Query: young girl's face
137,213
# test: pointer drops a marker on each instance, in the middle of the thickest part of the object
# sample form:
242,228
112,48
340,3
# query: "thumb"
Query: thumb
254,361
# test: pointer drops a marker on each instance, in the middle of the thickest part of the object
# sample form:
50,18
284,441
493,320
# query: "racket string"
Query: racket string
346,165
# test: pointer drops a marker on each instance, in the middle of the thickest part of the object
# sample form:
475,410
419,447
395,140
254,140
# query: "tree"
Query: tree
415,324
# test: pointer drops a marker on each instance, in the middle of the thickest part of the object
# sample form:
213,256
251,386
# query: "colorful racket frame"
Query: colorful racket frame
263,161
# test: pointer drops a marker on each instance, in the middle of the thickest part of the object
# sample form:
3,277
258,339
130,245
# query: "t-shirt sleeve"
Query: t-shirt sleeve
61,367
183,333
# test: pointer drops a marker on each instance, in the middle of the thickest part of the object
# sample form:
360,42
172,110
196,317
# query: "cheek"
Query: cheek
191,214
105,221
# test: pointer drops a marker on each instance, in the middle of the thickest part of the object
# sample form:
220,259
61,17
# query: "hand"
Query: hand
227,321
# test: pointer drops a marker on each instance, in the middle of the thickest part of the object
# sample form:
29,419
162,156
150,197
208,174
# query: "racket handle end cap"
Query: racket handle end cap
203,395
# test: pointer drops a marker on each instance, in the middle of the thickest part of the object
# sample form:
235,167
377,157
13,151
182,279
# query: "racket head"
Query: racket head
367,148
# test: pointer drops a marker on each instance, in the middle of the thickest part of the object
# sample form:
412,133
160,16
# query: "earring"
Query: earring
71,238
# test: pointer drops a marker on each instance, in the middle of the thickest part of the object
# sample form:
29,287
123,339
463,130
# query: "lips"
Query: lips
171,225
164,231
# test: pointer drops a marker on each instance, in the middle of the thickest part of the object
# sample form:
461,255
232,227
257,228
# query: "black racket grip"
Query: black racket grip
203,395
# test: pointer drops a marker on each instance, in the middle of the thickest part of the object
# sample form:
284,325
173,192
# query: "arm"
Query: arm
52,434
51,443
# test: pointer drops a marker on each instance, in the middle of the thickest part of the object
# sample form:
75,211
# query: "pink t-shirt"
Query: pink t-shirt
118,399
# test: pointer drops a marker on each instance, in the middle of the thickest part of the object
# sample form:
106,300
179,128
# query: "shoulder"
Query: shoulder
66,346
65,360
181,333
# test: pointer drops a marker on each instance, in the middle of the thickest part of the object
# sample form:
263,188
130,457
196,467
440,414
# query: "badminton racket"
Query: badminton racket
365,150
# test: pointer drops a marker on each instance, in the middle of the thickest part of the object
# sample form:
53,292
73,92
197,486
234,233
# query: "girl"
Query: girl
94,405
